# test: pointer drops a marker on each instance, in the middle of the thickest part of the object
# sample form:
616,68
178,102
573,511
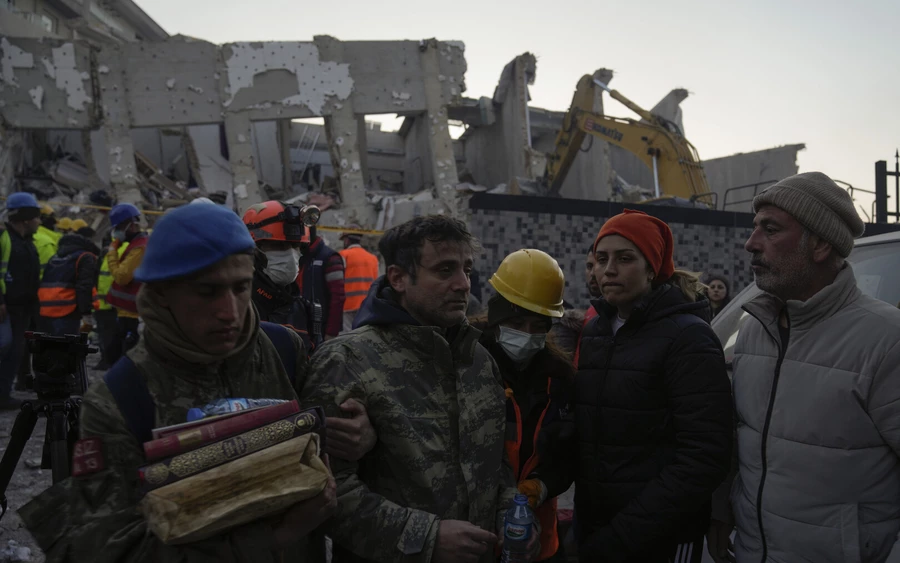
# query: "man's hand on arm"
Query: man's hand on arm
460,541
350,438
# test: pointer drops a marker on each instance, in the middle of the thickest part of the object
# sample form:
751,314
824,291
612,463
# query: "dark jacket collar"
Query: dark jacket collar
664,301
15,234
74,242
382,308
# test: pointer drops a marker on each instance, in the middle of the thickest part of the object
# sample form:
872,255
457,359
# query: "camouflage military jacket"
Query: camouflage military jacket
95,518
438,409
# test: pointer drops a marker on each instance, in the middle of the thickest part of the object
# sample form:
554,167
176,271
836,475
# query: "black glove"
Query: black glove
557,440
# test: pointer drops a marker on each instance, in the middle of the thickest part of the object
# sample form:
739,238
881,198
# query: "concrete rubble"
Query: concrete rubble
15,553
183,118
161,122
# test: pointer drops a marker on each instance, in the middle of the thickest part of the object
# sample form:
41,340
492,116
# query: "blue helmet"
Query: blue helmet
21,200
123,212
192,238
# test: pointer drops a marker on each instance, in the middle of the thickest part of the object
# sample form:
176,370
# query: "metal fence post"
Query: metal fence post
881,211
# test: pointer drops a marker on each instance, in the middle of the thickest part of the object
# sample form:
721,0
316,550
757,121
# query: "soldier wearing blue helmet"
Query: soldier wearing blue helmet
202,341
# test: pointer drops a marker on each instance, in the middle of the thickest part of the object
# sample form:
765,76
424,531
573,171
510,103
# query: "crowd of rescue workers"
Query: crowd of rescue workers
441,409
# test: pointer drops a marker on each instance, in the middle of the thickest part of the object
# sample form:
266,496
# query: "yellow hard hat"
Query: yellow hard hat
64,224
533,280
46,209
79,224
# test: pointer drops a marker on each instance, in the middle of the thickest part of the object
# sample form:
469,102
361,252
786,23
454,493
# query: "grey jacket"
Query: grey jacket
818,429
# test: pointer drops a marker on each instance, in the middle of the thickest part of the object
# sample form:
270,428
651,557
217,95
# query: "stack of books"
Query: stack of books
210,475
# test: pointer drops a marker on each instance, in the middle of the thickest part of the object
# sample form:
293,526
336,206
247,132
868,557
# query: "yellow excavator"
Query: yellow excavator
659,143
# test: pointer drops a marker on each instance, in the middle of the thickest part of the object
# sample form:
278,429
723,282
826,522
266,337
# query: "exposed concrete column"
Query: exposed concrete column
363,142
284,145
245,183
90,162
117,124
605,76
443,160
342,132
12,143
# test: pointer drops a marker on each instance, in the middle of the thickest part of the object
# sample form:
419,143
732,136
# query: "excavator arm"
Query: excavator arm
676,165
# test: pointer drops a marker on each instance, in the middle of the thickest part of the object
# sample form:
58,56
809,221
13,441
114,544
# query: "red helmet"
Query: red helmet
273,220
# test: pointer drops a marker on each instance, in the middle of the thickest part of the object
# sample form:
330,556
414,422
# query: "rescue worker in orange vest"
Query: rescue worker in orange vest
360,271
68,290
125,219
279,232
537,375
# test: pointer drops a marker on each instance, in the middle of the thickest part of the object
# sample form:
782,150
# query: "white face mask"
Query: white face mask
284,265
521,346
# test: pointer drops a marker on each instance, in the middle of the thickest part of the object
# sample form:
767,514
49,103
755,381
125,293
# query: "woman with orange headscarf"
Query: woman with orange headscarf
653,410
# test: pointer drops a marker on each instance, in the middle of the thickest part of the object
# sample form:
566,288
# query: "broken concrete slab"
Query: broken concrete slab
669,108
46,84
183,82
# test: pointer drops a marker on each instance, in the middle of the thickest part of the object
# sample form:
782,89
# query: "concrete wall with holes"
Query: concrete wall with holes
57,84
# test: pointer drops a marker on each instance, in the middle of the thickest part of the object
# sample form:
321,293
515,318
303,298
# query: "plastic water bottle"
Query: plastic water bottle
517,530
225,406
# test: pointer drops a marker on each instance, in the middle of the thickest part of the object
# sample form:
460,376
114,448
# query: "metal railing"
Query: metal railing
851,189
881,190
756,187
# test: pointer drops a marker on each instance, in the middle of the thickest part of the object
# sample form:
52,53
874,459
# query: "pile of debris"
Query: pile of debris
67,183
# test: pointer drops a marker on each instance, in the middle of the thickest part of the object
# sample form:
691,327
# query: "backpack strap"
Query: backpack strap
284,345
132,397
130,392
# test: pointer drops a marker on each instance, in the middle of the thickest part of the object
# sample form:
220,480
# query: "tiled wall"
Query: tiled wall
705,241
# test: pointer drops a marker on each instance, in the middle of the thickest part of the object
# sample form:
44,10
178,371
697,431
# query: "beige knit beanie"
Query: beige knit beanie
820,205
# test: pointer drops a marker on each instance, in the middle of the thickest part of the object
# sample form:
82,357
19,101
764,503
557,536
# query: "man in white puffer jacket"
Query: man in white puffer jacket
817,393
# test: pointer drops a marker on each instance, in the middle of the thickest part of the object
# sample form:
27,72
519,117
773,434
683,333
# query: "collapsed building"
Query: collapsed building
97,97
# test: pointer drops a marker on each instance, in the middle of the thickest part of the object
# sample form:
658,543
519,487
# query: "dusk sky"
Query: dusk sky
761,74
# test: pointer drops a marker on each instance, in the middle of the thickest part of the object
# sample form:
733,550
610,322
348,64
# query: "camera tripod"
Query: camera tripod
59,373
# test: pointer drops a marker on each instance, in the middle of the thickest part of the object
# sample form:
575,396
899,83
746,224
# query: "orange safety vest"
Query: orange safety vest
57,290
360,271
546,513
125,297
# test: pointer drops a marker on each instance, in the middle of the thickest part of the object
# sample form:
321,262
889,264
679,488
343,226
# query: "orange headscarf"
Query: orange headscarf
652,236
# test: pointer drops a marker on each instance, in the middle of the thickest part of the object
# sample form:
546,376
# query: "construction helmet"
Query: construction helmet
64,224
273,220
21,200
79,224
122,212
352,227
533,280
46,210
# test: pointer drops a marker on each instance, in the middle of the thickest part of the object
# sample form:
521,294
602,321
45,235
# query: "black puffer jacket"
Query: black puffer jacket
653,419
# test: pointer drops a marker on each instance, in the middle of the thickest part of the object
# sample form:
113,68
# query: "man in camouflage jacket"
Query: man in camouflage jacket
436,484
202,342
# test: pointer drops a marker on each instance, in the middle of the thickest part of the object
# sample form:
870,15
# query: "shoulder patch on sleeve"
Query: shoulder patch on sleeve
87,458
